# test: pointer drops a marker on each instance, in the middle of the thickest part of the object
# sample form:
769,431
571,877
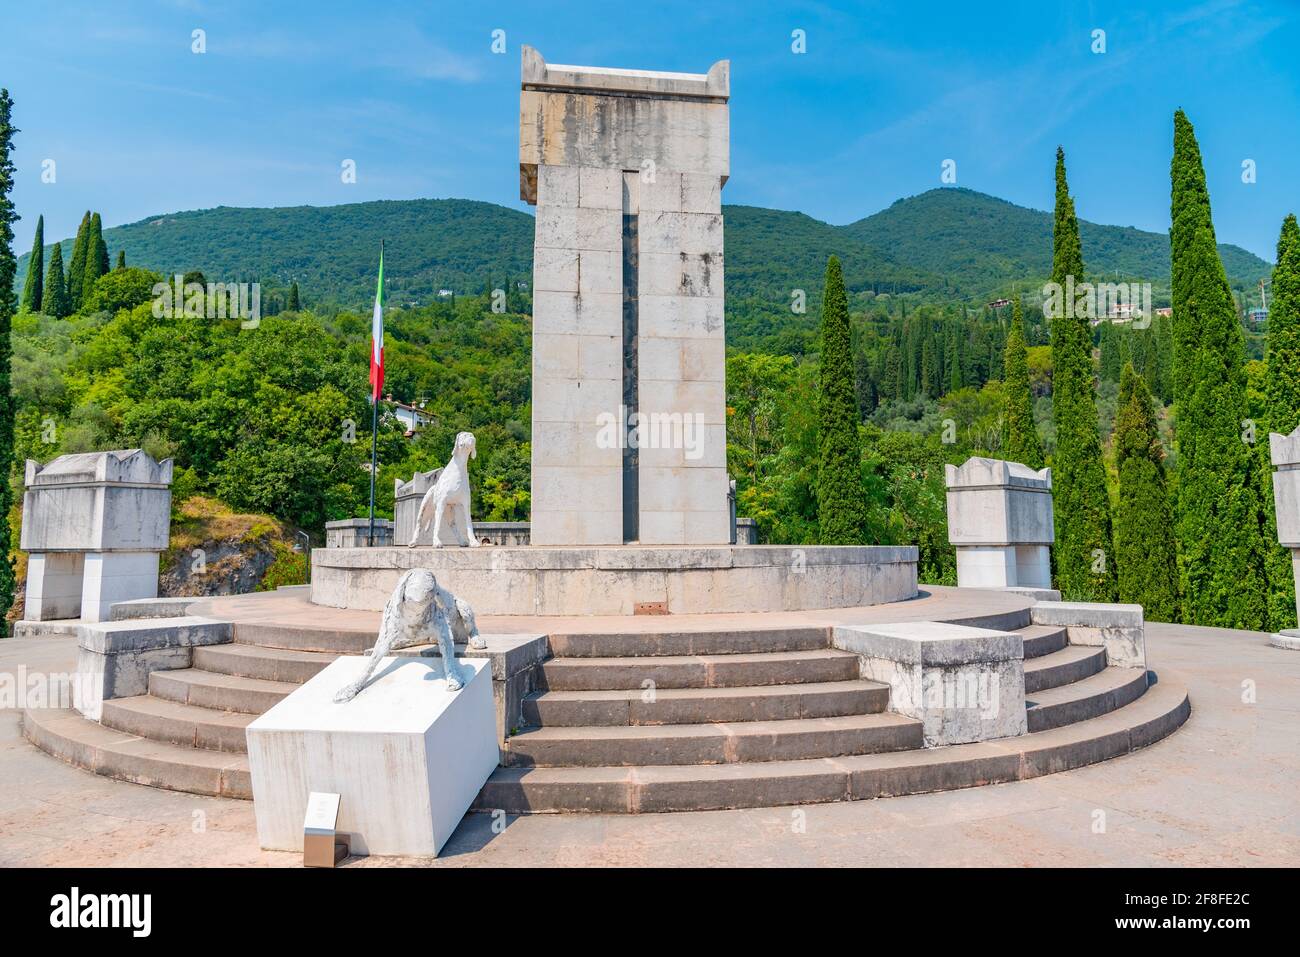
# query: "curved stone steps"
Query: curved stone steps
259,661
675,643
175,723
66,735
1042,639
699,671
1070,664
723,743
705,705
764,784
338,641
208,689
1083,700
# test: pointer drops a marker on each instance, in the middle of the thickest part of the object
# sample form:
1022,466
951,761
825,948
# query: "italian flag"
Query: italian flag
377,335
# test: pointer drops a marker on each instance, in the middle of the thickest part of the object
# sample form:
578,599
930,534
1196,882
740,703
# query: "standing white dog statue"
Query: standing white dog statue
446,504
419,612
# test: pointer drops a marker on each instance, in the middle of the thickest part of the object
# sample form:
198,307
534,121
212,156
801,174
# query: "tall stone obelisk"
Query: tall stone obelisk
626,168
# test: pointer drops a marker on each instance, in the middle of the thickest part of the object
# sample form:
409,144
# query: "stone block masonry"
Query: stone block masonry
963,684
1000,520
94,525
626,169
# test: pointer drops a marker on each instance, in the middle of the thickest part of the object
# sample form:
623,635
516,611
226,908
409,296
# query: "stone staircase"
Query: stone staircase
187,733
645,721
691,721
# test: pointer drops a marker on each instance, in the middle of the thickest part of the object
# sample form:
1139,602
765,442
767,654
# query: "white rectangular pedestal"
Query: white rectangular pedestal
54,585
406,756
1003,566
116,576
963,684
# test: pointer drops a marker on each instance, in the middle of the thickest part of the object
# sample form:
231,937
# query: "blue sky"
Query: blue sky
138,124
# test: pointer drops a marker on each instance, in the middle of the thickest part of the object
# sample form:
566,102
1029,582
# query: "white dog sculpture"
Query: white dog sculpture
418,612
446,504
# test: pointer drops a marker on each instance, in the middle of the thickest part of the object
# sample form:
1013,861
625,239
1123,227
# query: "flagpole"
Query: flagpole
374,415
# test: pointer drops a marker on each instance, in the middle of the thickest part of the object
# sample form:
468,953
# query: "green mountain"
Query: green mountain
942,245
332,251
983,244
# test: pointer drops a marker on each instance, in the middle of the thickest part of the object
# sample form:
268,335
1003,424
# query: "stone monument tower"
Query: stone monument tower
626,168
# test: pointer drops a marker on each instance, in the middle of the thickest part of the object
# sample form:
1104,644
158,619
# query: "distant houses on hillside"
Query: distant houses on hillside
413,417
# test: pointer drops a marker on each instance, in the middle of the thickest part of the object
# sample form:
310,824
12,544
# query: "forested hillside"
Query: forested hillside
942,246
983,244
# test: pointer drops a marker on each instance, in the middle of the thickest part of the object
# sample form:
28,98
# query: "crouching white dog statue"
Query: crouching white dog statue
446,504
421,611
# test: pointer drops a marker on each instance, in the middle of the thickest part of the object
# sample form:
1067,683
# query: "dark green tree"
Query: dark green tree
1220,518
1146,556
1110,345
841,496
96,258
1282,390
8,305
1283,340
55,298
77,267
292,304
121,259
33,288
1084,560
1020,438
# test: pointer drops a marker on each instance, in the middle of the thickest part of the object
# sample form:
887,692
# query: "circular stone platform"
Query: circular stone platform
615,579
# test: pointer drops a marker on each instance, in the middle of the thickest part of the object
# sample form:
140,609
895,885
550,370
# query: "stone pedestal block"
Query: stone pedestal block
116,576
1285,453
94,525
1117,628
406,507
963,684
355,533
406,756
114,658
1000,520
54,585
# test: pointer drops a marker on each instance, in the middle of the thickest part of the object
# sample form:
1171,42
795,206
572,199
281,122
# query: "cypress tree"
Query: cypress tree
1283,340
841,496
1109,370
1220,519
1282,387
954,371
33,288
1020,438
8,304
56,291
293,298
1146,556
1084,556
77,268
96,258
121,259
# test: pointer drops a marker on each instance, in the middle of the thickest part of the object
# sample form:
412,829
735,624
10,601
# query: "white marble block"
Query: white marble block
94,525
54,585
116,576
963,684
407,756
1117,628
1000,521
